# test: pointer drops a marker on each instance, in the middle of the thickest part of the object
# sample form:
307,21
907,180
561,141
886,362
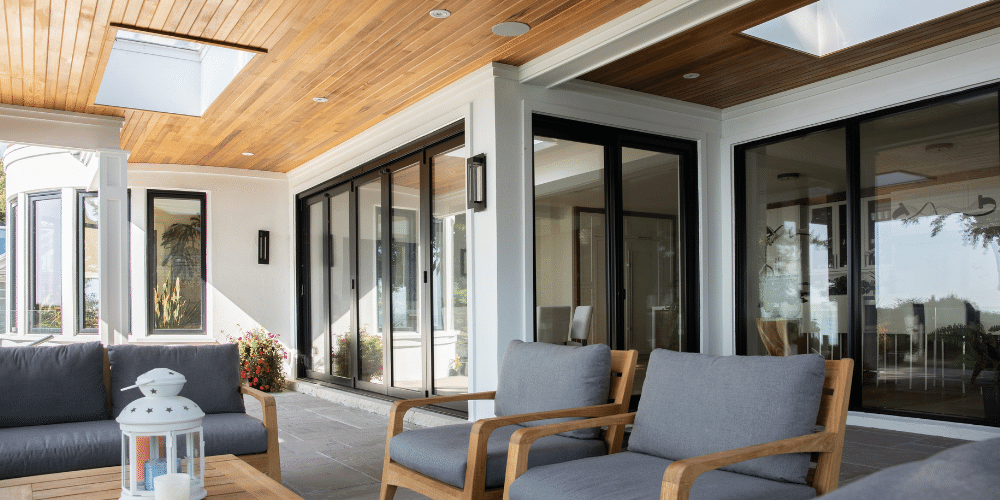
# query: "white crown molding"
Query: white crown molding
641,99
203,170
11,110
628,33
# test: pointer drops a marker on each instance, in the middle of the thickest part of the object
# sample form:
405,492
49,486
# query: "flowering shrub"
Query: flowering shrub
260,359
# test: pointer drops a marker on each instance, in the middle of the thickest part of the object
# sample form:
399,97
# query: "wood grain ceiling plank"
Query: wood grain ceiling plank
277,22
6,94
69,38
89,77
246,10
146,13
53,17
190,16
131,14
40,20
12,11
159,17
226,8
204,18
173,19
134,121
26,12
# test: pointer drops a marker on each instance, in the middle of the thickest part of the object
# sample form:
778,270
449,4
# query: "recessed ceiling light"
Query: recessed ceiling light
247,153
692,76
440,13
320,99
939,146
788,176
511,29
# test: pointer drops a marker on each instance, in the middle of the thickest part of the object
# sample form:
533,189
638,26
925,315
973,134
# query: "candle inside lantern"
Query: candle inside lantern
172,487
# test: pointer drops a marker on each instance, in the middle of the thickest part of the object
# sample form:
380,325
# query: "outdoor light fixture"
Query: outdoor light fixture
247,153
475,178
320,99
440,13
511,29
162,440
691,76
263,247
900,212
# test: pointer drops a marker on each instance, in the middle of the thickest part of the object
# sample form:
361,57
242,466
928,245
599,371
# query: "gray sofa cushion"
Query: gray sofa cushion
696,404
636,476
535,377
212,373
235,433
44,449
442,452
53,384
969,472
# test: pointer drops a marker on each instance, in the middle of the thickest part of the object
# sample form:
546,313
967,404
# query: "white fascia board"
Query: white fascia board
629,33
205,170
59,129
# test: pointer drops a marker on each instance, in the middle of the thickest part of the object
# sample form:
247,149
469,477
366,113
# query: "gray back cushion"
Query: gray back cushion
536,376
696,404
212,373
53,384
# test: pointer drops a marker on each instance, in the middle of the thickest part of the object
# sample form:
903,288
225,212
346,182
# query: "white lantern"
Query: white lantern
161,433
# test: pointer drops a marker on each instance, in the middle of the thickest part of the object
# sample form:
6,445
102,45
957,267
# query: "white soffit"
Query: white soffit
167,75
827,26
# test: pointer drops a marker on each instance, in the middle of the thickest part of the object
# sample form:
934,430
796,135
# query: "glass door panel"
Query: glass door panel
370,296
930,300
449,274
341,298
318,321
651,203
570,241
796,262
406,289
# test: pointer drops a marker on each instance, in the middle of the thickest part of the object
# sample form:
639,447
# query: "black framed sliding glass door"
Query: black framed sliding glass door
615,237
383,273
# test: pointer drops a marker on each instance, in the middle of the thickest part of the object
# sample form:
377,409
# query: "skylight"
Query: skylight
168,75
827,26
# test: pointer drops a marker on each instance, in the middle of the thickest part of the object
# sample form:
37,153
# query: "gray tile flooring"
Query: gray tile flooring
332,451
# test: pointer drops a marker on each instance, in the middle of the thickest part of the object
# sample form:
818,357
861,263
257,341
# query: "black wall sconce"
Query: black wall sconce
475,178
263,247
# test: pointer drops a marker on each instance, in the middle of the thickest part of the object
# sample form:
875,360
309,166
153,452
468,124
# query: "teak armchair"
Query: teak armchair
608,476
485,459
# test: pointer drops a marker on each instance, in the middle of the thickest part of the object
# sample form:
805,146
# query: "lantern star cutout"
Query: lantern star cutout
169,410
152,391
185,408
133,410
149,410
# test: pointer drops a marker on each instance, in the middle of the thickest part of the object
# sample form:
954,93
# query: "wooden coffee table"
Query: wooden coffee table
225,477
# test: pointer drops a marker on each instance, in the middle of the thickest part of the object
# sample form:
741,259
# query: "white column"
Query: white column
113,245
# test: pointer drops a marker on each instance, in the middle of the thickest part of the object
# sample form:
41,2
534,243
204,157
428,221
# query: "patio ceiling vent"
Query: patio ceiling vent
168,73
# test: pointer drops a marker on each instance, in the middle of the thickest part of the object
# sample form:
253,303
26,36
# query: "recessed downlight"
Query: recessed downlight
788,176
320,99
511,29
440,13
247,153
692,76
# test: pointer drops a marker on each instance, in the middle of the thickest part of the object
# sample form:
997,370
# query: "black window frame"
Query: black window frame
852,349
81,298
151,264
30,316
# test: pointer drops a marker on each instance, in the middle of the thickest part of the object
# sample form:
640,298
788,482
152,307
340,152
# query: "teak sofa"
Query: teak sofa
58,405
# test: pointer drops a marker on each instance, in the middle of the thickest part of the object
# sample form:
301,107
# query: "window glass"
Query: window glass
89,279
12,267
177,260
45,274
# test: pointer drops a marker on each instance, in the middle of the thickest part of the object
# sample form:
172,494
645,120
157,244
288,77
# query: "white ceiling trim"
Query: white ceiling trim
629,33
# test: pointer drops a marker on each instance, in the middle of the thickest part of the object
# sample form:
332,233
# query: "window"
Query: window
176,258
12,267
88,276
45,262
878,238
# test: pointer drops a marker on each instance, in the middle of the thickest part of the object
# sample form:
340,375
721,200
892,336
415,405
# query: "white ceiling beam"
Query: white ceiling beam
629,33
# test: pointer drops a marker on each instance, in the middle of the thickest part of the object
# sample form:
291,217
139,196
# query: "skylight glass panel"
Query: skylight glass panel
827,26
162,41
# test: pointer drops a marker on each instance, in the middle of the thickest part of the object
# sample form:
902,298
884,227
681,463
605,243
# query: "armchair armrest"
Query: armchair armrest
680,475
399,408
270,418
521,440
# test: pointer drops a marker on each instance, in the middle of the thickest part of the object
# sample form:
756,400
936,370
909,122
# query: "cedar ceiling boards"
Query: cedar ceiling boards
370,58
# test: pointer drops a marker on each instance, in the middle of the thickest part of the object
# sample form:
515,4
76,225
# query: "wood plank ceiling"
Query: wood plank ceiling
371,58
735,68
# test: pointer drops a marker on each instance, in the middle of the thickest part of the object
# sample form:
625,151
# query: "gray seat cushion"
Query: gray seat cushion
969,472
535,377
636,476
442,452
696,404
212,373
52,384
44,449
235,433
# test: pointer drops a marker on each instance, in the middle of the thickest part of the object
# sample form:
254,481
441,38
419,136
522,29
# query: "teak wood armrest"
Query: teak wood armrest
399,408
521,440
680,475
270,419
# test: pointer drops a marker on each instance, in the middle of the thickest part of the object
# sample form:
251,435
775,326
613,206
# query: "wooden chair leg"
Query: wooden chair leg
387,492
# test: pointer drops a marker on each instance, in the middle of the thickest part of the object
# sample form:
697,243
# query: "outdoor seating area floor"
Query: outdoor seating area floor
329,450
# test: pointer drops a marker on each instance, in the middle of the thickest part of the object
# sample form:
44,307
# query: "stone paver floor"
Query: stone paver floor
331,451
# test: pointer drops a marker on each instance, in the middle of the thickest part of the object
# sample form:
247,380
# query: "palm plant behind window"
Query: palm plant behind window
182,255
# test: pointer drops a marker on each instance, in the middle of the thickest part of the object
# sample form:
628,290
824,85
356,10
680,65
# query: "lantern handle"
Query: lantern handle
134,386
